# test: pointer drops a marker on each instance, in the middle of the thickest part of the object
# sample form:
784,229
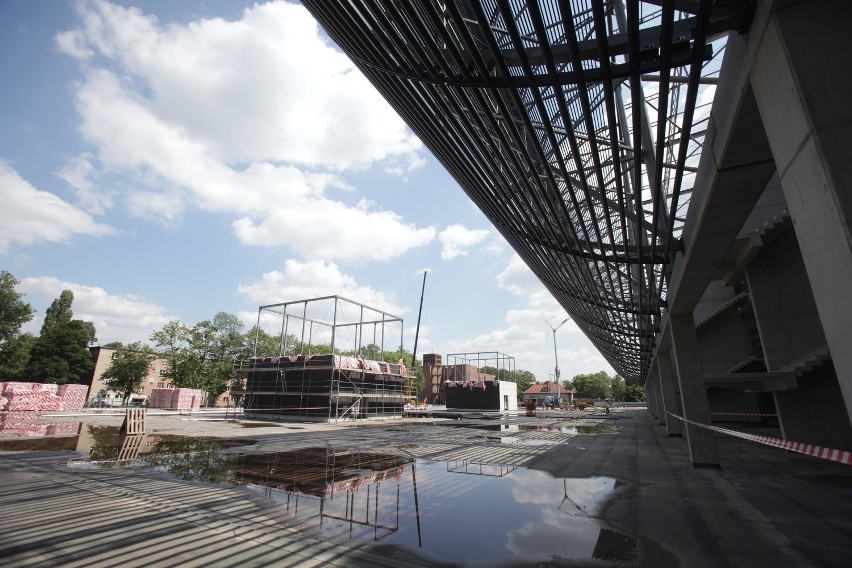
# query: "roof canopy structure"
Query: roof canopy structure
575,126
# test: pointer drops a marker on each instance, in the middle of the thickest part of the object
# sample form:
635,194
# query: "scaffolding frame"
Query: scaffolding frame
325,359
504,364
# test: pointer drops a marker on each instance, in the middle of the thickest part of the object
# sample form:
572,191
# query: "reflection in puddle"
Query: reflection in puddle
34,424
471,513
603,428
466,512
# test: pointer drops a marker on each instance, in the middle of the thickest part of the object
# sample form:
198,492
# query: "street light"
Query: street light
555,359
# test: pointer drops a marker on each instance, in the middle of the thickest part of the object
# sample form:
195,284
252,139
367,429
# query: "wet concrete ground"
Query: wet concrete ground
764,507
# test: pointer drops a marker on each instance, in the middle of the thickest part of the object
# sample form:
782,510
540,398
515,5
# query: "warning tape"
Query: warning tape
839,456
742,414
282,408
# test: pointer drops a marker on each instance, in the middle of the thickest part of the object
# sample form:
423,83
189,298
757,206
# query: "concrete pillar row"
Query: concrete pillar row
674,427
693,392
801,85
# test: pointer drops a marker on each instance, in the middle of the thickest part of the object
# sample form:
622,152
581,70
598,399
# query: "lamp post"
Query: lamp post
555,358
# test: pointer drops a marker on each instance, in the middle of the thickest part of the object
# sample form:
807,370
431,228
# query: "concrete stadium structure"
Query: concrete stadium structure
673,171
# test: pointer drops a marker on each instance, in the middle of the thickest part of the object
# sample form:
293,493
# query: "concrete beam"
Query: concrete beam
801,83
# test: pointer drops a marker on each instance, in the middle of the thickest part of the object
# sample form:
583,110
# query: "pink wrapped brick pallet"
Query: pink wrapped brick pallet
42,397
73,396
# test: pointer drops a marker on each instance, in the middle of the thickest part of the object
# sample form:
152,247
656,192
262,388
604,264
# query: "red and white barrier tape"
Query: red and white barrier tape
282,408
839,456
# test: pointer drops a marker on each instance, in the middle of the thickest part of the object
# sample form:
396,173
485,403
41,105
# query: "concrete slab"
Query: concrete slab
764,507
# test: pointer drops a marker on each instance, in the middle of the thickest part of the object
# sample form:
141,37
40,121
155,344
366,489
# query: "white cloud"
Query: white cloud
117,317
31,216
228,116
328,229
79,173
455,239
525,334
314,279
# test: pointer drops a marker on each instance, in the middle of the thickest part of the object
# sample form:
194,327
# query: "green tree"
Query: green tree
617,387
129,368
203,356
14,356
14,312
634,393
524,379
61,354
593,385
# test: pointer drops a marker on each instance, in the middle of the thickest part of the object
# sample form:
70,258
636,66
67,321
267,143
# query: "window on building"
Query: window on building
162,372
170,386
159,385
114,355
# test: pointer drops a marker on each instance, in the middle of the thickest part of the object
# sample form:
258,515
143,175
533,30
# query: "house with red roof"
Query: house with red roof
544,393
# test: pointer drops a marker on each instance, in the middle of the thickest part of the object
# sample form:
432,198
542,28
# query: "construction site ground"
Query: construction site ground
762,507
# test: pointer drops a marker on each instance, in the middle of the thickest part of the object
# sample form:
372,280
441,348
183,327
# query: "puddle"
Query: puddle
464,512
604,428
33,425
470,513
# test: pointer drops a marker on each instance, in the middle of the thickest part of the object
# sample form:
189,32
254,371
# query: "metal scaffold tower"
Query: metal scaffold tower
326,358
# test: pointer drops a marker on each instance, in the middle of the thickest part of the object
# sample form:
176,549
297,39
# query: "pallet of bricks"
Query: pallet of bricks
175,399
18,396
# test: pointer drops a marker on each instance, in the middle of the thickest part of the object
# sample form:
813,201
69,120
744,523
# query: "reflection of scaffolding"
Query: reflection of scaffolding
324,484
325,359
479,468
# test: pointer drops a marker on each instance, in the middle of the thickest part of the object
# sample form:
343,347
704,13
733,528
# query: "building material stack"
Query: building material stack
175,399
73,396
16,396
31,396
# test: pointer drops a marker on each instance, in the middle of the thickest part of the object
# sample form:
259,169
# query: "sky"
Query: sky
171,160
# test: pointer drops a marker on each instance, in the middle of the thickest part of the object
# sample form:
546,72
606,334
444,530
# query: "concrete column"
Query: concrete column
801,84
693,393
658,397
669,396
653,394
649,396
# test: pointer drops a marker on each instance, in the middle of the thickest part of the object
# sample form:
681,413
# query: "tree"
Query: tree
14,356
634,393
203,356
617,387
61,354
524,379
129,368
14,312
593,385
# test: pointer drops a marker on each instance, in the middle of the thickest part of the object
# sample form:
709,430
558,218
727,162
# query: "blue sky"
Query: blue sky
170,160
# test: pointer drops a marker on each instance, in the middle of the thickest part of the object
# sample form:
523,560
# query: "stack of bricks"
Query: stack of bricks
175,399
73,396
31,396
160,398
42,397
187,399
